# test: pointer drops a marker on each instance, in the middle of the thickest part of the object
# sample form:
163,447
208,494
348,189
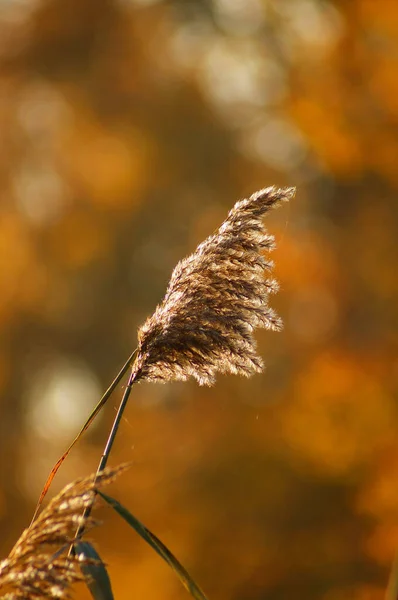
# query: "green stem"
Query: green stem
107,450
86,425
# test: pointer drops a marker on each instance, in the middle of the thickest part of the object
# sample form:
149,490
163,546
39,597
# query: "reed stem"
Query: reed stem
86,425
107,450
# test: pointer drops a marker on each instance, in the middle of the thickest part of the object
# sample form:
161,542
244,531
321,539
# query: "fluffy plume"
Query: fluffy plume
39,566
215,299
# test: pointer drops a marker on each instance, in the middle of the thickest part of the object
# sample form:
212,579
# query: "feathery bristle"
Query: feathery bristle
216,297
39,566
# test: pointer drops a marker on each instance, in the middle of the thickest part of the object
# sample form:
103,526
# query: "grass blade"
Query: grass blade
107,450
86,425
157,545
95,573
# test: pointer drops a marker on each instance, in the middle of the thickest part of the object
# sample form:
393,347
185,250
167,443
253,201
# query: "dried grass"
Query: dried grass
215,299
38,566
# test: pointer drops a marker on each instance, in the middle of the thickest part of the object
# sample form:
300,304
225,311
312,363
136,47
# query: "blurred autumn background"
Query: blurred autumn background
127,130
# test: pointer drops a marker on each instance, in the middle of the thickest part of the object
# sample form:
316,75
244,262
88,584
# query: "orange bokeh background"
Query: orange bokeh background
128,129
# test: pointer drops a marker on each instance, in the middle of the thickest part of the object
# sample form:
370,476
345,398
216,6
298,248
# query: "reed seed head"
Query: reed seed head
215,299
39,566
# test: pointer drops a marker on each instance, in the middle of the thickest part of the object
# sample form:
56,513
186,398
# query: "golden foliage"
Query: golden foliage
127,127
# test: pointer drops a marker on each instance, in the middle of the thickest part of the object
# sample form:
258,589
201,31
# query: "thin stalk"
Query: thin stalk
107,450
86,425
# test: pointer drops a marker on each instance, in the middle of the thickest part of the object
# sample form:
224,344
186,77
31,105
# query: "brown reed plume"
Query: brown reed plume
38,566
216,297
